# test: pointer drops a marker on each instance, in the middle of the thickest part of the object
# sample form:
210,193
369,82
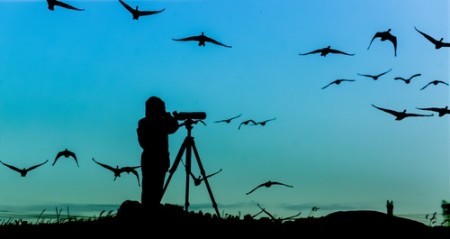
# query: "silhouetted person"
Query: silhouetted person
66,154
390,207
153,135
23,172
52,3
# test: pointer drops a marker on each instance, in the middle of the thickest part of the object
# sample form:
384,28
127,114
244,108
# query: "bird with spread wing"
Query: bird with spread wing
399,115
441,111
24,171
437,44
386,35
228,120
337,82
375,77
201,39
268,184
66,154
325,51
434,82
118,171
407,80
136,13
52,3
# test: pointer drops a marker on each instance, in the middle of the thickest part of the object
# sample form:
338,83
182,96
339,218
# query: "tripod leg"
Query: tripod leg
175,165
202,171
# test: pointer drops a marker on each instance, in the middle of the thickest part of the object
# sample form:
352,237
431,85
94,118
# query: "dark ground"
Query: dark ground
172,220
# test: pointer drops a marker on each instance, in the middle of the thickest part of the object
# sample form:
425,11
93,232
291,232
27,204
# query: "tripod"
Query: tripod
188,146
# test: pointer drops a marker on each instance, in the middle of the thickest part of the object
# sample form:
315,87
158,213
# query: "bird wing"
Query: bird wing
215,42
378,34
419,115
426,85
278,183
387,110
393,39
229,119
105,165
74,156
207,176
128,7
430,109
334,82
65,5
58,155
192,38
11,167
256,188
311,52
445,44
265,121
145,13
371,76
443,82
415,75
133,171
340,52
399,78
35,166
428,37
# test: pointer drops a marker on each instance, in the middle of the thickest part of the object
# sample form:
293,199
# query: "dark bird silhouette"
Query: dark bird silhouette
52,3
375,77
441,111
262,123
66,153
435,82
407,80
198,180
202,39
268,184
23,172
437,44
228,120
325,51
399,115
337,82
138,13
385,36
246,122
118,171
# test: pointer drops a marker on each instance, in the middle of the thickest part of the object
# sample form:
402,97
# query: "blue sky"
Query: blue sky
79,80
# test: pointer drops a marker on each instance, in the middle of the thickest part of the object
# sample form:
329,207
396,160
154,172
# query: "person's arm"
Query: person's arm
172,123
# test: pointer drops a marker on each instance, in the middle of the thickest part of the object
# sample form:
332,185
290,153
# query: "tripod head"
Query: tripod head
190,118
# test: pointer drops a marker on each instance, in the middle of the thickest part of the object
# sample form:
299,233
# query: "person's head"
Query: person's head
154,106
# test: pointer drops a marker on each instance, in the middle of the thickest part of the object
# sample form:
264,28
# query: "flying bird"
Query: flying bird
66,153
441,111
268,184
262,123
375,77
198,180
246,122
23,172
118,171
228,120
399,115
138,13
202,39
386,35
52,3
337,82
437,44
435,82
325,51
407,80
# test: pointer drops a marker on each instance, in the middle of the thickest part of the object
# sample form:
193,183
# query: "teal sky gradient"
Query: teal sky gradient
79,80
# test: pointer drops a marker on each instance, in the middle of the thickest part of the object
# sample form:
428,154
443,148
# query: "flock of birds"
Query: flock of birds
202,39
69,154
